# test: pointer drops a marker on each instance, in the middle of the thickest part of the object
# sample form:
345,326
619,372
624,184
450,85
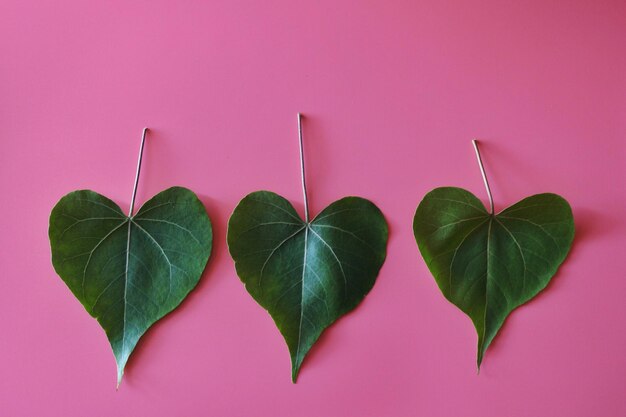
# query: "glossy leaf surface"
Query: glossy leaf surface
129,272
306,275
487,265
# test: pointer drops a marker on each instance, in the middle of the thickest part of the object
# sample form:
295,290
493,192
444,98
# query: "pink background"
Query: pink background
393,92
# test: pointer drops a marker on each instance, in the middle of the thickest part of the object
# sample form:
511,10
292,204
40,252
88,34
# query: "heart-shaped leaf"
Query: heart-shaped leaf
489,264
306,274
129,272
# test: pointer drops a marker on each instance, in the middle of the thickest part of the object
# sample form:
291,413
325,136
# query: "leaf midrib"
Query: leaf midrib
306,237
306,227
482,337
129,221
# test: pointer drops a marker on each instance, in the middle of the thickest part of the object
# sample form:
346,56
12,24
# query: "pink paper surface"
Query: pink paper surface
393,92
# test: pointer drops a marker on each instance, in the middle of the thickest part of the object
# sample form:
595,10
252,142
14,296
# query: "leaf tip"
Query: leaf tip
479,361
120,374
294,373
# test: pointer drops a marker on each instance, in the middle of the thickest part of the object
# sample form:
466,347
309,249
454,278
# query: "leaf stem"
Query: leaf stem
482,171
132,200
306,200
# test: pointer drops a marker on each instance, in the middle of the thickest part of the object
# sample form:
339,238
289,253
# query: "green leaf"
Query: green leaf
306,275
128,272
487,265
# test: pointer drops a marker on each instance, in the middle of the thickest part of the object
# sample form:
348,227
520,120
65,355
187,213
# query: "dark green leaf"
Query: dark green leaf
487,265
306,275
129,272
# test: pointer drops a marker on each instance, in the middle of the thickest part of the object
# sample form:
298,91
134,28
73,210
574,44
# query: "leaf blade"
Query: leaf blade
517,262
120,274
302,283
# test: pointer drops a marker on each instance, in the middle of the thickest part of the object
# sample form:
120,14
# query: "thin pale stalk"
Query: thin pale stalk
132,200
482,171
306,200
